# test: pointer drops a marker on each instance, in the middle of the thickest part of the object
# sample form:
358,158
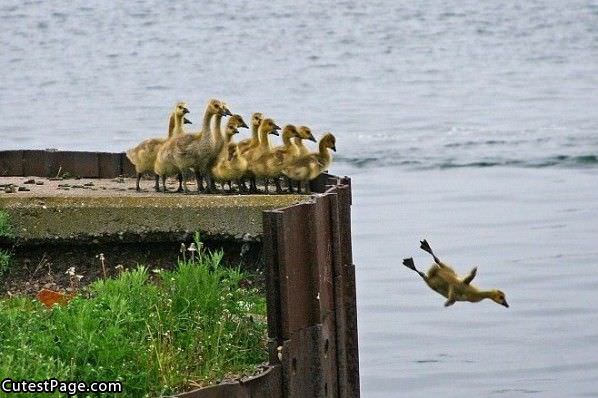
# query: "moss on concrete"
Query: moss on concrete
134,217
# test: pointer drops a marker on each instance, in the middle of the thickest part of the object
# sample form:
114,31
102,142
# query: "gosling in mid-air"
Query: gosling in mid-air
444,280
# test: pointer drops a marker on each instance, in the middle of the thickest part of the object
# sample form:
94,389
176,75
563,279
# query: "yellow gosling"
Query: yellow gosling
444,280
143,156
230,165
253,142
249,145
260,157
284,154
306,168
299,149
179,153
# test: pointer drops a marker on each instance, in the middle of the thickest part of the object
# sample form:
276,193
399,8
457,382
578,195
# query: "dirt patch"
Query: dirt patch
46,266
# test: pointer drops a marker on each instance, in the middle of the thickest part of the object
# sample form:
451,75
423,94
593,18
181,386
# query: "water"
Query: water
532,234
473,125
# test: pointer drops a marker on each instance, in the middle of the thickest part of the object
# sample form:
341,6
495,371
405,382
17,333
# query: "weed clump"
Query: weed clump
5,229
5,259
158,334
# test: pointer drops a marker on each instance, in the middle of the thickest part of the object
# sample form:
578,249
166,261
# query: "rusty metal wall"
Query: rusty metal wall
266,385
311,293
49,163
310,285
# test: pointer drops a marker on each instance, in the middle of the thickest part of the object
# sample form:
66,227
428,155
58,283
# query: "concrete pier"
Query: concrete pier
106,209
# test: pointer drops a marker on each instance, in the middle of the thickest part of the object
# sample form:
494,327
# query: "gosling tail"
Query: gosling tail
425,246
408,262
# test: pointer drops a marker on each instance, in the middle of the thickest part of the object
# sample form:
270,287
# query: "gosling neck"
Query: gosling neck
264,142
207,117
178,125
255,133
485,294
298,141
286,139
228,138
217,129
323,149
170,124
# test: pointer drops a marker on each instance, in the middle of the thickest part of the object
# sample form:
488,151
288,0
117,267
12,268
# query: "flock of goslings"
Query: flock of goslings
213,155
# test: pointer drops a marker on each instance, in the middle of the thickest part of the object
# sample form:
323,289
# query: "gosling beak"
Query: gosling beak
334,149
505,304
274,132
226,112
236,131
276,127
185,111
312,138
243,125
186,121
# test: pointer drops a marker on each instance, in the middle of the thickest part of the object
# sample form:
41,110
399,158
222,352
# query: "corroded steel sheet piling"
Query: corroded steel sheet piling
311,294
266,385
50,163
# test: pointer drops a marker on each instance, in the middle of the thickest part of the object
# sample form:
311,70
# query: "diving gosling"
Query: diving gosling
306,168
443,279
143,156
230,165
260,157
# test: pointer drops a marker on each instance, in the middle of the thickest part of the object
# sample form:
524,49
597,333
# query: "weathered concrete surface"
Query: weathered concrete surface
86,215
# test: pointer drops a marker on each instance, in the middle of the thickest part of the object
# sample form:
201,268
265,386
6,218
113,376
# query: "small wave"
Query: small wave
566,160
477,143
579,161
589,159
157,88
516,390
365,162
479,164
357,162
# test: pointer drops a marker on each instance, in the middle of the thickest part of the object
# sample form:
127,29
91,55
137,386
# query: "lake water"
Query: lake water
474,125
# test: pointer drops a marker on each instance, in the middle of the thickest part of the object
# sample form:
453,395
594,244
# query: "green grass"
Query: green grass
192,324
5,259
5,229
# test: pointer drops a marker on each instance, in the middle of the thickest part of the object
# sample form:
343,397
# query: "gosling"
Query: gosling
230,165
444,280
306,168
143,156
248,145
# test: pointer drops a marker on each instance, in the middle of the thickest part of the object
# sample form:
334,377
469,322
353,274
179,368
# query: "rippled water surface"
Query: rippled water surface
473,124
